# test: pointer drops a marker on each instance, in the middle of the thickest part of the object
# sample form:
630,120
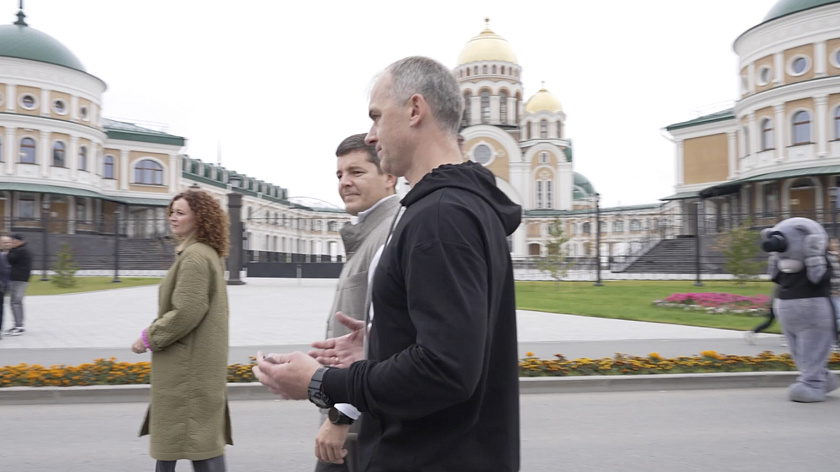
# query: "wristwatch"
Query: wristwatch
315,391
337,417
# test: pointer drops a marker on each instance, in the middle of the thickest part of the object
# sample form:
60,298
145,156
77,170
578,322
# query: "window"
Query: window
108,167
543,129
503,97
485,106
635,225
59,154
801,127
539,194
482,154
27,151
81,210
149,172
586,228
494,69
618,226
28,101
26,205
484,69
766,134
764,75
503,70
59,107
548,198
837,123
83,164
798,65
769,200
475,70
332,226
835,58
559,129
467,108
543,158
83,112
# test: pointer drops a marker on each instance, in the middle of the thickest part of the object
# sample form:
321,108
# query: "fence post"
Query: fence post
236,229
45,214
697,207
116,247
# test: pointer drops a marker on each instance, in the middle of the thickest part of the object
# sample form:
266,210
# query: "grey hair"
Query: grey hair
357,142
437,84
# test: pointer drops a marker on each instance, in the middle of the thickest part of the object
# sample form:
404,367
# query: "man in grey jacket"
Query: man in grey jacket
368,194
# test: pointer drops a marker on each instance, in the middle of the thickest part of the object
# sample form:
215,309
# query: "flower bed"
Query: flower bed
622,364
713,302
109,372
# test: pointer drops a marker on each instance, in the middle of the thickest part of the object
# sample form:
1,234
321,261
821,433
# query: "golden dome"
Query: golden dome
487,46
543,101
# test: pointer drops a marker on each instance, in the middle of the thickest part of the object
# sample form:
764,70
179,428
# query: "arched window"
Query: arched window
503,97
837,123
148,172
503,70
635,225
586,228
475,70
801,127
332,226
559,129
766,134
59,154
484,69
543,129
544,194
494,69
467,108
108,167
548,197
539,194
618,226
83,164
485,106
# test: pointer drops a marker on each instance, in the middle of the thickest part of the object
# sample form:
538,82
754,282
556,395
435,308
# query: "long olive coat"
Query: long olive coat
188,417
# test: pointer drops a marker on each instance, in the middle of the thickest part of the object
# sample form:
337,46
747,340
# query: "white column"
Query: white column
12,145
733,154
73,157
45,102
780,128
779,68
173,173
123,169
822,124
819,59
11,98
45,151
494,109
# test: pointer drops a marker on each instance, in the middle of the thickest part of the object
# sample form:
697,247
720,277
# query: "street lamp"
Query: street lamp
598,241
45,213
235,253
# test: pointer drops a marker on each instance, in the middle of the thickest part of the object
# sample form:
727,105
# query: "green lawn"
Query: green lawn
86,284
632,300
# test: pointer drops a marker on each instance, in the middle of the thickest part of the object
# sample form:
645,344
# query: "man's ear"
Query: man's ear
391,182
418,108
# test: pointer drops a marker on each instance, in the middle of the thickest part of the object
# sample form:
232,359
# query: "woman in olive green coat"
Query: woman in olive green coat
188,417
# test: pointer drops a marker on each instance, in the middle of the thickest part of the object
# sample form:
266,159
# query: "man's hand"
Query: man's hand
344,350
329,442
286,374
138,347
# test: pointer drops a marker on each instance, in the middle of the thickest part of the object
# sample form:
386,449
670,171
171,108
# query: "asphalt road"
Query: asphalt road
740,430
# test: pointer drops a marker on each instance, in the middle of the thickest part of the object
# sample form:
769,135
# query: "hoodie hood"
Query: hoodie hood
472,177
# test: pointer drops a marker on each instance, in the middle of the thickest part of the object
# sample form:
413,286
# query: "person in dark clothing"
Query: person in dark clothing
5,273
439,389
20,261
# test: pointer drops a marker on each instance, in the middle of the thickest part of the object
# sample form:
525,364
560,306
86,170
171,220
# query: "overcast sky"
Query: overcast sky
277,85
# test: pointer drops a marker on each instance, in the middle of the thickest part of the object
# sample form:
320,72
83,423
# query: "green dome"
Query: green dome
582,187
23,42
787,7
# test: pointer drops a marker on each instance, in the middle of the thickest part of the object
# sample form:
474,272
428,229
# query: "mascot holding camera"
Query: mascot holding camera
799,266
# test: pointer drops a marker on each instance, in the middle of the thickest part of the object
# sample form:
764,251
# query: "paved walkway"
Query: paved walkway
280,315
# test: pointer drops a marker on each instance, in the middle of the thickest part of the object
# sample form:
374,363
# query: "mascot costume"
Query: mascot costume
799,266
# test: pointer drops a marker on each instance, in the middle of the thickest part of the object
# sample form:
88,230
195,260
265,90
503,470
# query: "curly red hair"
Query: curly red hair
211,222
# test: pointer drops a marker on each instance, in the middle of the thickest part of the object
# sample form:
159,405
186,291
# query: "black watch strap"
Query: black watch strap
337,417
315,392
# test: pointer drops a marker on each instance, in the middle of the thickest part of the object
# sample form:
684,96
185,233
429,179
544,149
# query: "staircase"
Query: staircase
670,256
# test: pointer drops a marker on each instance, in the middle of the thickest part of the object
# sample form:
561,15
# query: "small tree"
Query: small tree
555,263
740,246
64,267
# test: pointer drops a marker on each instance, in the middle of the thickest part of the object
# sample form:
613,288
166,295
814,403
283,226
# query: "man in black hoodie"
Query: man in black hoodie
440,386
20,260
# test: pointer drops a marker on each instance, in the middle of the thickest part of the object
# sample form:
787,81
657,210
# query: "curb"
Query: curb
527,385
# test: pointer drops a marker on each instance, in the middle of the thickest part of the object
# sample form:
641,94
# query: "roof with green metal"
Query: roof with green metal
23,42
788,7
705,119
131,132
